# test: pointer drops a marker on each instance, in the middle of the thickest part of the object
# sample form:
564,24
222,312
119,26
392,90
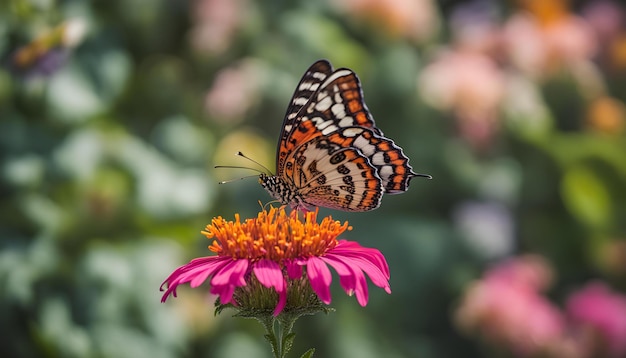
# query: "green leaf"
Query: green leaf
288,342
308,354
586,197
271,338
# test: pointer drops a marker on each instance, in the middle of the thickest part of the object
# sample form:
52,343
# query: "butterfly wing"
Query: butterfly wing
337,111
334,177
339,103
390,162
308,85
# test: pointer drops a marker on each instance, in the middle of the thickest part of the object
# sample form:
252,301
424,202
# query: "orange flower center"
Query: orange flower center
274,235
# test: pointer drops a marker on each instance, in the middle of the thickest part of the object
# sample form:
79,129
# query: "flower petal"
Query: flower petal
320,278
270,274
196,272
225,281
294,269
353,249
351,278
369,260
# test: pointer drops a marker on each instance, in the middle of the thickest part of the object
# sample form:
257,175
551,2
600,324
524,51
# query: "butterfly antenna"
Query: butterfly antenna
237,167
232,180
255,162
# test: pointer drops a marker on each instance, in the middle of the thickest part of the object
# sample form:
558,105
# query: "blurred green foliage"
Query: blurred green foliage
113,114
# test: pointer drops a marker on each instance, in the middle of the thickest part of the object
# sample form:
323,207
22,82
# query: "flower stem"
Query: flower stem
282,344
270,336
286,336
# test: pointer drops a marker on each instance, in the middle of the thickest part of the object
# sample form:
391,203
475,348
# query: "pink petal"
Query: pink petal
225,281
196,271
320,278
294,269
371,261
351,280
270,274
225,293
353,249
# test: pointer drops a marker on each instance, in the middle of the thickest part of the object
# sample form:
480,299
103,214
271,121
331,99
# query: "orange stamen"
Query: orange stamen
274,235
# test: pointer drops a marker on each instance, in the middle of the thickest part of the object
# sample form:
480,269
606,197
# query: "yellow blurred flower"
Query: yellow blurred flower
607,115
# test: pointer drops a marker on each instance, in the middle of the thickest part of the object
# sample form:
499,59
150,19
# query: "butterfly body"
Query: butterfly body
330,153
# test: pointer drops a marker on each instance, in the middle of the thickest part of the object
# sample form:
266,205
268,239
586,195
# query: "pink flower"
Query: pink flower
234,91
450,83
273,251
603,312
216,23
413,19
537,50
506,308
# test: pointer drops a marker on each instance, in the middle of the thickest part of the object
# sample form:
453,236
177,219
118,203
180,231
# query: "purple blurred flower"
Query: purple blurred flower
50,51
487,226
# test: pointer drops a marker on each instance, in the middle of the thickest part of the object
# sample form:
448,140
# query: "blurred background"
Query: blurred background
113,114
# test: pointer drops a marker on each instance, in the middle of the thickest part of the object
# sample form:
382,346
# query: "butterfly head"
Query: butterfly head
282,191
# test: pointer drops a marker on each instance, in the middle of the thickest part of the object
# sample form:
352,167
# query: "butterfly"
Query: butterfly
330,152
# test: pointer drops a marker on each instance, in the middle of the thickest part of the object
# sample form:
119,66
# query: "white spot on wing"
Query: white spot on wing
351,132
338,110
335,75
324,104
323,125
300,101
329,129
346,122
385,172
364,145
304,86
378,158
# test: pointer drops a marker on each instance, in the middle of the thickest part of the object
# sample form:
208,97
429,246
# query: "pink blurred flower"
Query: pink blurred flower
462,81
215,24
599,316
271,251
234,91
539,49
530,271
506,308
414,19
469,84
